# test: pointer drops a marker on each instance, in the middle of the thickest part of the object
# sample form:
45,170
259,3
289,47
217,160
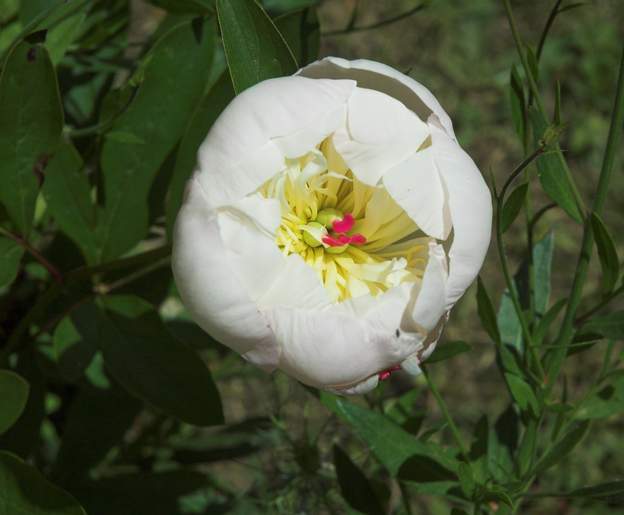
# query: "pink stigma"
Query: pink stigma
332,242
385,374
358,239
344,225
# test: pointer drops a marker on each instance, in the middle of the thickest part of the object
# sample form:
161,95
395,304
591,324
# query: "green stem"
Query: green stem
378,24
604,302
566,333
447,416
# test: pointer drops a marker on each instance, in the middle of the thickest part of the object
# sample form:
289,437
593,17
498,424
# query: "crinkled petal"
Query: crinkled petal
471,213
415,185
380,133
378,76
249,141
212,292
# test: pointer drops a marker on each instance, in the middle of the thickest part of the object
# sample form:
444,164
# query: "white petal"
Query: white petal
378,76
471,213
415,185
210,289
380,133
247,144
430,301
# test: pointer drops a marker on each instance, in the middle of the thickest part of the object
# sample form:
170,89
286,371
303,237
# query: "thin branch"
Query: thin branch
549,22
53,270
376,25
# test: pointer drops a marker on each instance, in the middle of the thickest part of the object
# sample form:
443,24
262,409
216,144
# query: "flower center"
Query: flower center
355,236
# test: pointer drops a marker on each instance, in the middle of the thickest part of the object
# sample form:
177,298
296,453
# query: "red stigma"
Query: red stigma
385,374
344,225
340,238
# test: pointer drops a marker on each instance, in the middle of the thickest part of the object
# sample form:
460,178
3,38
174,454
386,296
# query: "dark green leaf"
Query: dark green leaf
522,393
448,350
527,446
281,6
542,263
68,197
302,33
607,253
486,312
547,320
389,442
424,469
612,491
533,63
31,120
199,7
466,480
608,326
563,447
479,449
557,114
605,403
207,112
502,443
508,323
10,257
148,493
354,485
508,360
518,103
513,205
553,171
154,366
97,421
30,9
14,394
23,490
177,70
254,48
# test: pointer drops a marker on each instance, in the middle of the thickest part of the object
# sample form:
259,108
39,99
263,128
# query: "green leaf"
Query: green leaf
147,493
486,312
354,485
31,120
302,34
547,320
14,394
254,48
513,205
562,448
96,422
30,9
502,444
466,480
175,76
10,256
448,350
197,7
68,197
186,159
607,253
608,326
518,103
24,491
152,365
479,449
542,262
533,63
553,173
62,34
527,447
522,393
391,444
611,491
605,403
557,114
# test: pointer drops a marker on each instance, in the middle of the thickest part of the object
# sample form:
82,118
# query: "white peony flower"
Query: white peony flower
331,224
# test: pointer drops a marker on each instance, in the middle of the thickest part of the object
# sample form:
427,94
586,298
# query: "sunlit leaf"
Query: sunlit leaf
254,48
31,120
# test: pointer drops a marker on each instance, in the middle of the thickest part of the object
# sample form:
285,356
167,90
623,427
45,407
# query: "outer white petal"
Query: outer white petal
380,133
260,127
212,292
415,185
471,213
378,76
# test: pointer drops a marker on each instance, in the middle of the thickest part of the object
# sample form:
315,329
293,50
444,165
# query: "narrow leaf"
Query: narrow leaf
254,48
605,403
549,317
522,393
486,312
562,448
152,365
31,120
14,394
354,485
10,256
518,103
607,253
502,444
513,205
302,34
448,350
557,114
174,78
609,490
608,326
23,490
